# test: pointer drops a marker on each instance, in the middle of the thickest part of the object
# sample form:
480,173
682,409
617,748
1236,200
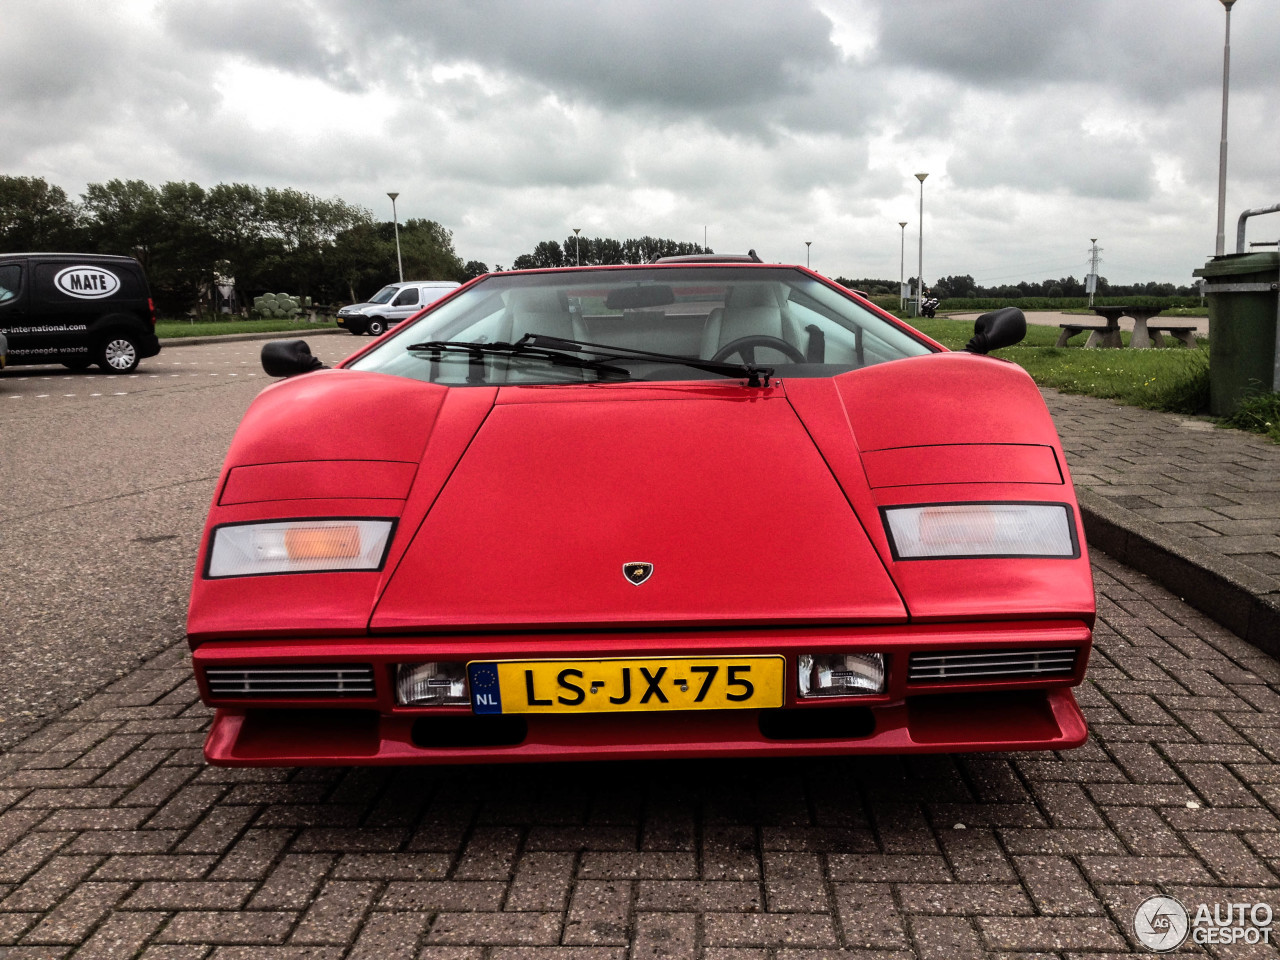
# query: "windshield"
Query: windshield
384,295
774,316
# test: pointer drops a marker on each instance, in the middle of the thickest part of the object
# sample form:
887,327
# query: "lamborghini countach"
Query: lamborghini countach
676,510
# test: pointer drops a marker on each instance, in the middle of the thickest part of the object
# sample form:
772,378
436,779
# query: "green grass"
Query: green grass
1259,414
1173,378
213,328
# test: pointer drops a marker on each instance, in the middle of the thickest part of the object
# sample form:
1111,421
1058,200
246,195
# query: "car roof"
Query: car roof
71,256
748,257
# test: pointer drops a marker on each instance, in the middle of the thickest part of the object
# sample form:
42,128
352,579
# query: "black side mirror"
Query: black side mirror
288,358
999,328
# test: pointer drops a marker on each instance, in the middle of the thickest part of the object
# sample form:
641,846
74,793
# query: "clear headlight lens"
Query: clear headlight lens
298,546
981,530
432,684
840,674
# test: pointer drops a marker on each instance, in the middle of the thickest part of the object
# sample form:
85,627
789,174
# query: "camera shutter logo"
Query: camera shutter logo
1161,924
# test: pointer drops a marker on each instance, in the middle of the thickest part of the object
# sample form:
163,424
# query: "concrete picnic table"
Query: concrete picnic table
1109,335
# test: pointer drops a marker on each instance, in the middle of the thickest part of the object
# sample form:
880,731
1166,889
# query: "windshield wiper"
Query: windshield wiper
757,376
476,353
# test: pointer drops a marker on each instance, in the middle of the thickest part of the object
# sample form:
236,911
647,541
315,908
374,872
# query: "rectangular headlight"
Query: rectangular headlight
298,546
840,674
981,530
432,684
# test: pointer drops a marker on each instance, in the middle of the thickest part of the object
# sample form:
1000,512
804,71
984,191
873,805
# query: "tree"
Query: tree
363,258
123,217
597,251
954,286
548,253
183,256
236,222
871,286
473,269
36,216
299,232
427,249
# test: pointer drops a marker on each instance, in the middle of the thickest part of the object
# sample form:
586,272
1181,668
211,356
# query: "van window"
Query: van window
407,297
384,295
10,281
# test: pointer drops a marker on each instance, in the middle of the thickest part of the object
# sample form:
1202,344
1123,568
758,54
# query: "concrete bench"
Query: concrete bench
1186,332
1099,333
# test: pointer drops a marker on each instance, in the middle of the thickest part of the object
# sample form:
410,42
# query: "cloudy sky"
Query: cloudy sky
1041,123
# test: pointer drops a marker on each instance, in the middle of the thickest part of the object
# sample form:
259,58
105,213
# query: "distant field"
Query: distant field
1171,378
213,328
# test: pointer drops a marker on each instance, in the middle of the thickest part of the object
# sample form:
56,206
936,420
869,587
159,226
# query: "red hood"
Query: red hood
720,488
518,506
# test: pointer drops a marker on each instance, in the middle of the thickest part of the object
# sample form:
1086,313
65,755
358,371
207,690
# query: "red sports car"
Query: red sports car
690,508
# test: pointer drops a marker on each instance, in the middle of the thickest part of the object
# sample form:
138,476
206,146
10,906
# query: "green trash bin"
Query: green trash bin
1241,289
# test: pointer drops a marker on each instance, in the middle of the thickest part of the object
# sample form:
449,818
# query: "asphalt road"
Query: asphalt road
104,486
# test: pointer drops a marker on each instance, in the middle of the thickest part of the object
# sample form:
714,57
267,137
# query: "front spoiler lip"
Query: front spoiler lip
898,642
246,739
909,717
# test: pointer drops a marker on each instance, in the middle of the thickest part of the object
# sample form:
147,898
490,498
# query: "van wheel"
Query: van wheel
119,354
377,326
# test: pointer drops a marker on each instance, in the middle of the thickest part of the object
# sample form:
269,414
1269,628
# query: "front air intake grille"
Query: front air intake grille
978,665
293,682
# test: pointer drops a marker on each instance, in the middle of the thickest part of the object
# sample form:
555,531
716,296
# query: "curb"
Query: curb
1238,597
169,342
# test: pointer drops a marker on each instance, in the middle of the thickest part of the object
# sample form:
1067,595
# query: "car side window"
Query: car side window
407,297
10,281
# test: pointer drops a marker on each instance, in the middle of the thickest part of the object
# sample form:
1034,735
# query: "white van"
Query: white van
391,304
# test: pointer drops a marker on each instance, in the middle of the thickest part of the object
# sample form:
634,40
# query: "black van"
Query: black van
76,309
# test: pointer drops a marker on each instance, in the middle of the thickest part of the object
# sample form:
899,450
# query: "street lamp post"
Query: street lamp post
396,223
902,264
920,266
806,253
1220,245
577,260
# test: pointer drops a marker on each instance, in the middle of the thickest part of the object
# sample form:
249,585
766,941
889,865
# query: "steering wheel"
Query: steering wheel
746,348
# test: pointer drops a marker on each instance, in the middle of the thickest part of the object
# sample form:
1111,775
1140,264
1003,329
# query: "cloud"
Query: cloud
668,58
285,34
768,122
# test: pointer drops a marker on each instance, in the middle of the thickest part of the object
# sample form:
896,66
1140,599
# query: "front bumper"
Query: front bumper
911,716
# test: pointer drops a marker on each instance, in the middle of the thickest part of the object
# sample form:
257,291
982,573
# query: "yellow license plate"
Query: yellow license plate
626,685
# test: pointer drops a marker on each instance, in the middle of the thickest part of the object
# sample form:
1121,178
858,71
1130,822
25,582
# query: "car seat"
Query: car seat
537,310
750,309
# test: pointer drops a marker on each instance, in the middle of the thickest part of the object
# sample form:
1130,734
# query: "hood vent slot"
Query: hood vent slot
289,681
976,665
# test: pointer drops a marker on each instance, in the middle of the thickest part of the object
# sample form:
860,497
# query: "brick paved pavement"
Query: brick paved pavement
117,841
1195,506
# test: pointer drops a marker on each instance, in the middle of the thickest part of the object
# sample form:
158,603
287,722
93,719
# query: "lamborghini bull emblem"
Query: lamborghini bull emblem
636,572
